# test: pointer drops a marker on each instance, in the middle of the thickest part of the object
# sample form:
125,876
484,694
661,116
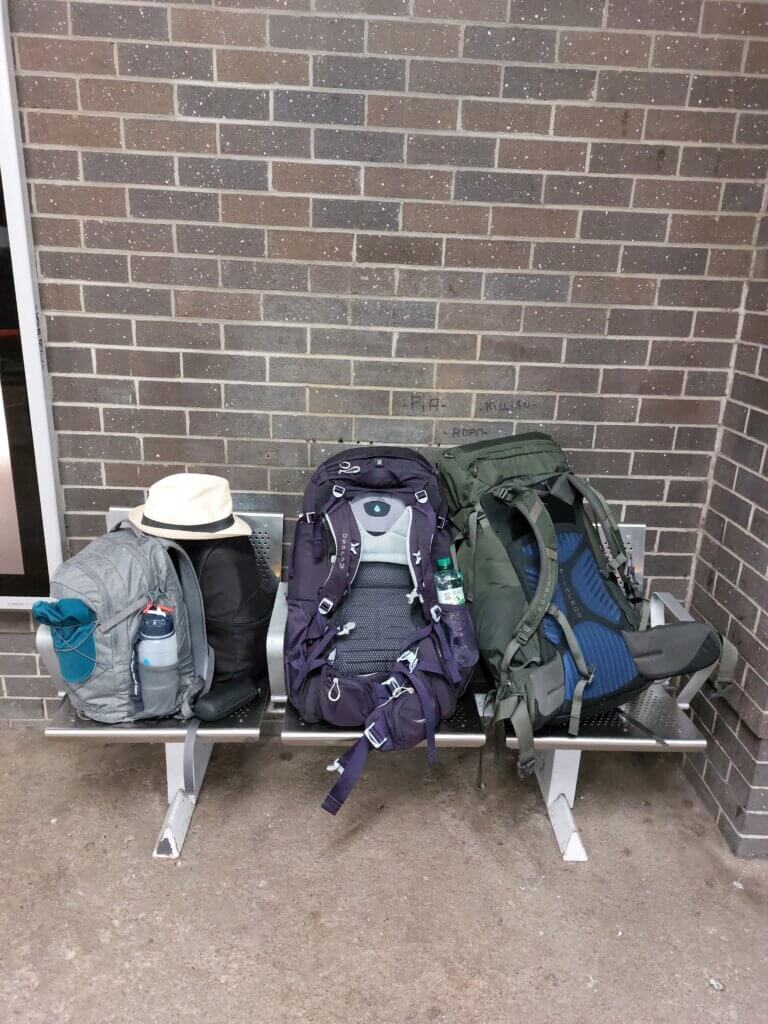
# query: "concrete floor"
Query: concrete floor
424,902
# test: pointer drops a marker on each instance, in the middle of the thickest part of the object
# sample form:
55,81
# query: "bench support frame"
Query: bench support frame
185,767
557,772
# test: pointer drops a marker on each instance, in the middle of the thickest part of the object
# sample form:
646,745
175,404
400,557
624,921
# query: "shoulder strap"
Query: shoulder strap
346,539
202,655
531,507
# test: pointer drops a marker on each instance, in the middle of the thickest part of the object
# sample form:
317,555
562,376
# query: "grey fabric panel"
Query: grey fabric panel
112,574
677,649
547,684
384,621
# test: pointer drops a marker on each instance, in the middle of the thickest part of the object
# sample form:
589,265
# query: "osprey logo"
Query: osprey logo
569,595
342,555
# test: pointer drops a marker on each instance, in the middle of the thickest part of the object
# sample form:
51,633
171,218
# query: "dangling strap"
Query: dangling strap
350,767
587,674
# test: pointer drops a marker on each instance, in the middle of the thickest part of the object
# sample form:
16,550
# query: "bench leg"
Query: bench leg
557,772
185,765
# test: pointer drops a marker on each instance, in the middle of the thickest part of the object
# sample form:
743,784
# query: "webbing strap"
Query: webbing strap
726,669
570,638
477,519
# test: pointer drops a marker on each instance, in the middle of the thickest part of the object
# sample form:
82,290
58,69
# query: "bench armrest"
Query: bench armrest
275,642
662,602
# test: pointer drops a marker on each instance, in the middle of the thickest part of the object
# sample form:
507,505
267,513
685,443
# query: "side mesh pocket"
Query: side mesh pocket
461,634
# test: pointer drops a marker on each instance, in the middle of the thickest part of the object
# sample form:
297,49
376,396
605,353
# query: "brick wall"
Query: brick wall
730,587
266,228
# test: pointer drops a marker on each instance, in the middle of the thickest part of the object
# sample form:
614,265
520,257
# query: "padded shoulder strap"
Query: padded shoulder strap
346,539
531,507
202,655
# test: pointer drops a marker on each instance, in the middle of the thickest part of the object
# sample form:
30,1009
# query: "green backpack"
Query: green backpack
558,612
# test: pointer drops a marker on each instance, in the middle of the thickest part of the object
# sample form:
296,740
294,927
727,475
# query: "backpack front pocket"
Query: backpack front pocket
160,687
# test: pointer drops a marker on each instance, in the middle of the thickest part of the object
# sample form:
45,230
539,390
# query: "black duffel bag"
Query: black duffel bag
238,596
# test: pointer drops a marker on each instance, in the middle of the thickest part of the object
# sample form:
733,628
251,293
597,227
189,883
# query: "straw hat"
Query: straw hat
189,506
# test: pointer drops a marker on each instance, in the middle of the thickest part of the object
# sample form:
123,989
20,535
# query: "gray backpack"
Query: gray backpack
117,575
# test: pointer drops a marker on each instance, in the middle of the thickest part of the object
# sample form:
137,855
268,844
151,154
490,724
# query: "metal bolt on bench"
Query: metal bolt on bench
188,744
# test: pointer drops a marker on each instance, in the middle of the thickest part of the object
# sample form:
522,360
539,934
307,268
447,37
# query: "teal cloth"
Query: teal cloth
72,624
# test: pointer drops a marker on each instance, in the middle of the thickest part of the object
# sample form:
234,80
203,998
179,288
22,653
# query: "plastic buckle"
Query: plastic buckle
411,659
346,629
441,521
422,497
436,612
524,635
309,517
391,682
526,767
325,606
375,742
338,491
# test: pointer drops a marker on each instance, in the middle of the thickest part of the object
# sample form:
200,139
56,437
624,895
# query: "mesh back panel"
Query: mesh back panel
384,619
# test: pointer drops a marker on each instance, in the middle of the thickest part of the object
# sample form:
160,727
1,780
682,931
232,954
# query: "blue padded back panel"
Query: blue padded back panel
582,596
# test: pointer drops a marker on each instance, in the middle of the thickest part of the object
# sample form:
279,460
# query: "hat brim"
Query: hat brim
238,529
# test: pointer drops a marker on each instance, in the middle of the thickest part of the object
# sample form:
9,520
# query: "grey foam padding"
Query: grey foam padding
384,619
677,649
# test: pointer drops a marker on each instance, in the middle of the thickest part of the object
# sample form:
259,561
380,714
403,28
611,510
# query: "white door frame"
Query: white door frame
14,185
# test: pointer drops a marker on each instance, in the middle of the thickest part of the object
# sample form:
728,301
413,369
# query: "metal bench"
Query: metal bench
188,744
655,721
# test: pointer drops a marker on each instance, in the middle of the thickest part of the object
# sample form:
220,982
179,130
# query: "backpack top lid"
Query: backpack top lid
373,468
471,470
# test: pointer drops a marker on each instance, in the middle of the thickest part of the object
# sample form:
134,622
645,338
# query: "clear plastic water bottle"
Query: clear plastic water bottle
449,583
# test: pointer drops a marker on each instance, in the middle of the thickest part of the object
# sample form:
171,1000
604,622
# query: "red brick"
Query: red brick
491,116
599,122
727,229
525,154
445,218
219,28
412,112
253,209
413,39
624,49
336,179
126,96
262,68
74,130
310,245
407,183
533,222
703,53
66,55
473,252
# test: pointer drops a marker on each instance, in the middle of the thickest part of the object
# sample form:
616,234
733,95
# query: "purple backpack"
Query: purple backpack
366,642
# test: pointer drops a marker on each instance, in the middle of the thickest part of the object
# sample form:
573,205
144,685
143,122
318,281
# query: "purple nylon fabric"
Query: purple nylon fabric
430,691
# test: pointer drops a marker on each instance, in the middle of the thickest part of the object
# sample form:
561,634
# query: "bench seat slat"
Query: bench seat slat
657,714
243,726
